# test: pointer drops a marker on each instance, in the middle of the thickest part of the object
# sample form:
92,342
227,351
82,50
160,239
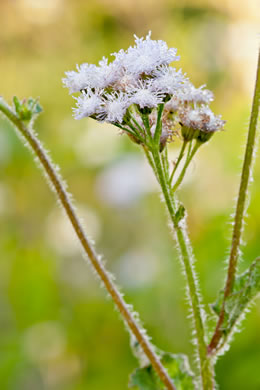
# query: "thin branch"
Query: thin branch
240,209
186,257
185,167
64,198
178,160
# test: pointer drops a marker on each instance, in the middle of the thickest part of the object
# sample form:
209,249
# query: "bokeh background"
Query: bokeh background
58,330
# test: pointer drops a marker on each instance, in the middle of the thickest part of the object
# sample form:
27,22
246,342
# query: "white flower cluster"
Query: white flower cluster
139,77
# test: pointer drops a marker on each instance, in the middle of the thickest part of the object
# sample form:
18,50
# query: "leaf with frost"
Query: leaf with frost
246,288
177,367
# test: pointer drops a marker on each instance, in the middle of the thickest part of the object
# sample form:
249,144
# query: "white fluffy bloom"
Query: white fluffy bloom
201,119
87,104
91,76
75,81
114,107
144,96
141,75
167,80
125,81
145,56
194,95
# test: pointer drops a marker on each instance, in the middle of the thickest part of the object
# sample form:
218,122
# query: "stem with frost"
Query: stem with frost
59,188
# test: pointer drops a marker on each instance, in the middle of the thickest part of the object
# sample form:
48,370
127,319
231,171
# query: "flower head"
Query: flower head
188,93
202,119
167,80
87,104
141,76
91,76
144,96
113,107
145,56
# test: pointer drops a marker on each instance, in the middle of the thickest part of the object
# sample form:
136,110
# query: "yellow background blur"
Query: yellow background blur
57,329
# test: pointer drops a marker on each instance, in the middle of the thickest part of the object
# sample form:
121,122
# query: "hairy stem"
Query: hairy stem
240,208
178,160
186,256
64,198
187,163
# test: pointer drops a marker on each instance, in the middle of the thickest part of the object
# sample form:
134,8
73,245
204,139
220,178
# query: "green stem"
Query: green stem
178,160
150,160
187,163
186,256
136,123
132,133
240,208
57,184
145,119
158,129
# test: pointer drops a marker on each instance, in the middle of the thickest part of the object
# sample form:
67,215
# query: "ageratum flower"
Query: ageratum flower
199,123
135,84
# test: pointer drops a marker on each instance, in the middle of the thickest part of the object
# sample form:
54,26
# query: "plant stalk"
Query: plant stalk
185,167
240,208
184,144
57,185
186,257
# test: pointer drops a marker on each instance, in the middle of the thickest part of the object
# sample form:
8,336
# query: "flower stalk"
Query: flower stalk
186,257
240,209
57,185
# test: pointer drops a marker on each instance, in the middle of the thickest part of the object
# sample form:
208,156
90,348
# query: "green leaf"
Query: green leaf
177,367
180,214
26,109
245,289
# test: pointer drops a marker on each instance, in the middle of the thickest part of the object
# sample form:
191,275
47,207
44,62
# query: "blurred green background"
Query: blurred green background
58,330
